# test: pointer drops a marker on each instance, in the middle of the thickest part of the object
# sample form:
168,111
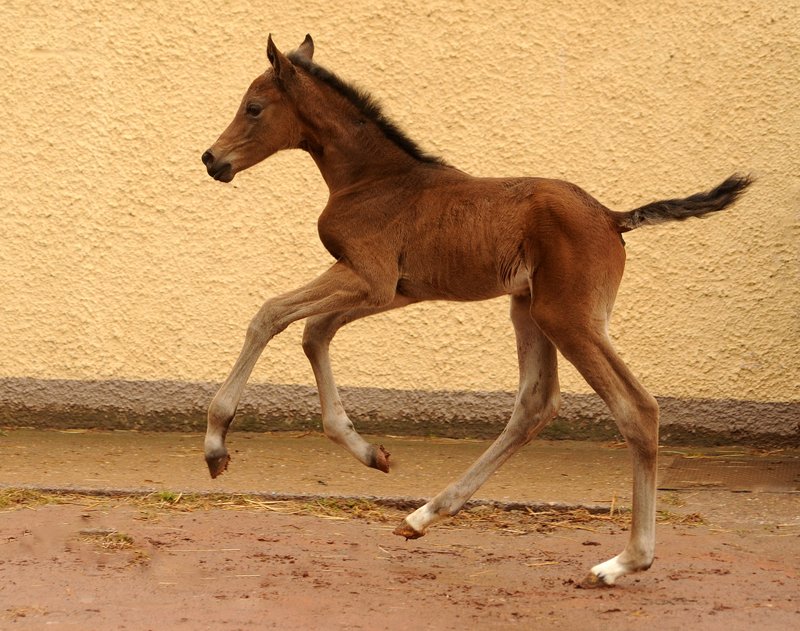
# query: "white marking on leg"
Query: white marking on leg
422,518
609,571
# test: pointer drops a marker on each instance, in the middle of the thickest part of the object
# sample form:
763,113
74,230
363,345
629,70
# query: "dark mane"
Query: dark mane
366,104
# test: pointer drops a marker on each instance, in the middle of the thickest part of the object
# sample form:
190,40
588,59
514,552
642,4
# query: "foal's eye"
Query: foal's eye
253,109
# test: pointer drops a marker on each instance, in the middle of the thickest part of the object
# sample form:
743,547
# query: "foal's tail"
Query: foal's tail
679,209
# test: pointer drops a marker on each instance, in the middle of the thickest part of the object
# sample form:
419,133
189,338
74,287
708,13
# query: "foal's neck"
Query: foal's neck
344,166
349,149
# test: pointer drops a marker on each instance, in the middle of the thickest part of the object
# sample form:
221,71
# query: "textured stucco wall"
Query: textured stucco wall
121,259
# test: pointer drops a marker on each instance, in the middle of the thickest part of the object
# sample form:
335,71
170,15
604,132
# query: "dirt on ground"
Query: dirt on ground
238,562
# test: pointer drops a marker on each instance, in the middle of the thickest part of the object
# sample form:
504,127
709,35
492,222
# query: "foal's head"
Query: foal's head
265,122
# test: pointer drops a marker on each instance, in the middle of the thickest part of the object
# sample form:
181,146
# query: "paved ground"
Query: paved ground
227,566
561,471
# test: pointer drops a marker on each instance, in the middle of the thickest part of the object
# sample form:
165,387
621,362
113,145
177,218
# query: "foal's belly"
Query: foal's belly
464,283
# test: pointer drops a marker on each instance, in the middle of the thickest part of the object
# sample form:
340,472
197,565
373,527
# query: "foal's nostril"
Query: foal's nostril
208,158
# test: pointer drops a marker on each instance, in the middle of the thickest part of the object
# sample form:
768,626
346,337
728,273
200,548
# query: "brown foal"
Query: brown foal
405,227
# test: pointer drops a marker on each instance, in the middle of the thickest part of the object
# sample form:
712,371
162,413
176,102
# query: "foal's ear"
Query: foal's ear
306,49
282,66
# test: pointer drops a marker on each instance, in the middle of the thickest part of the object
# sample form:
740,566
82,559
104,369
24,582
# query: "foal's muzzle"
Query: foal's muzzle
222,171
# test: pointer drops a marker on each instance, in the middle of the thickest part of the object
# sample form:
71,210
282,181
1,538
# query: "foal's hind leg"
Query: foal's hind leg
338,427
580,334
538,400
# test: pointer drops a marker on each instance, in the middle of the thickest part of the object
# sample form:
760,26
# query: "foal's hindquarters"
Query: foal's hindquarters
573,281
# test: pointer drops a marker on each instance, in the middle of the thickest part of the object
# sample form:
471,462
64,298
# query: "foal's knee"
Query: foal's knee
270,320
262,328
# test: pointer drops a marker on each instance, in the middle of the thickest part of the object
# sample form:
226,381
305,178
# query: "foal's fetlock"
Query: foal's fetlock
219,420
380,458
217,457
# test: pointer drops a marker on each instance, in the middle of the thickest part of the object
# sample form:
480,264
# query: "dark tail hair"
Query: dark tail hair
679,209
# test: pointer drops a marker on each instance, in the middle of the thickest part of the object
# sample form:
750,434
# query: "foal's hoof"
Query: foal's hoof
217,464
380,459
405,530
592,581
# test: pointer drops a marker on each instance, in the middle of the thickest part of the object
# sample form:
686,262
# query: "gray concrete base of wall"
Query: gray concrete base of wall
181,406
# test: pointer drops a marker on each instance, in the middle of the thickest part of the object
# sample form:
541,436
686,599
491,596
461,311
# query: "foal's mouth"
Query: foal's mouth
222,173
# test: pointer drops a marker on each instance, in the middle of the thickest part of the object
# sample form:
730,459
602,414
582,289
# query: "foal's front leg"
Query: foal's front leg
338,427
339,288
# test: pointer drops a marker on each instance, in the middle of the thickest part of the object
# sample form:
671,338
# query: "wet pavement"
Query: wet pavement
569,472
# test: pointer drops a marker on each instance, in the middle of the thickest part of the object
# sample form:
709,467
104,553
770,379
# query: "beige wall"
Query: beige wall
121,259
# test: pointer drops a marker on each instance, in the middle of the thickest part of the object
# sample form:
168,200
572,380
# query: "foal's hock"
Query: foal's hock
405,227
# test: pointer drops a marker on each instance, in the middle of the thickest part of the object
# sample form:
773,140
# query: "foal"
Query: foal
405,227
